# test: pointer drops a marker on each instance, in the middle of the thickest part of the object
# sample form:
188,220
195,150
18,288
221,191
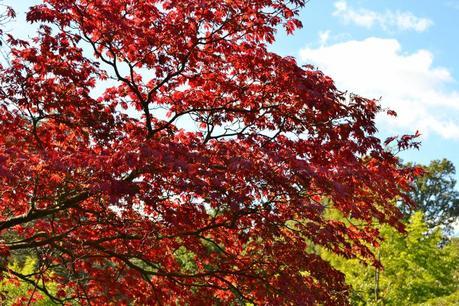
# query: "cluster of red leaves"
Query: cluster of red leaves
112,196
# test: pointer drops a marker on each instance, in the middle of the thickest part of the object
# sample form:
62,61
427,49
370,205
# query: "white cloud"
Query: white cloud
407,83
324,36
387,20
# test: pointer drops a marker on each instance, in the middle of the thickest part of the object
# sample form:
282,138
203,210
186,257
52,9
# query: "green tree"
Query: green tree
415,270
18,292
452,299
435,194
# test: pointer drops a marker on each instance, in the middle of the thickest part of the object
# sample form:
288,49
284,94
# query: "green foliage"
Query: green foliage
186,259
452,299
415,270
19,292
435,194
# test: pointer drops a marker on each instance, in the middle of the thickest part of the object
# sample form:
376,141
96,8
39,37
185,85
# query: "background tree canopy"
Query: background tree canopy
415,268
436,195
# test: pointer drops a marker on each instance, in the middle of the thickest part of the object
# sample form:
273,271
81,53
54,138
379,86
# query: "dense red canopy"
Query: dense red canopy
123,206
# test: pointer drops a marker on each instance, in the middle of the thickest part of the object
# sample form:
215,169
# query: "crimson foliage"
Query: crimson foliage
100,184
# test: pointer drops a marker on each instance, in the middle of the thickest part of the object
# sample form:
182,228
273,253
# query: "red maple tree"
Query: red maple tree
120,204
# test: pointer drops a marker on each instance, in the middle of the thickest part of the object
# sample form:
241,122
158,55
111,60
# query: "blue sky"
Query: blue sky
405,52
